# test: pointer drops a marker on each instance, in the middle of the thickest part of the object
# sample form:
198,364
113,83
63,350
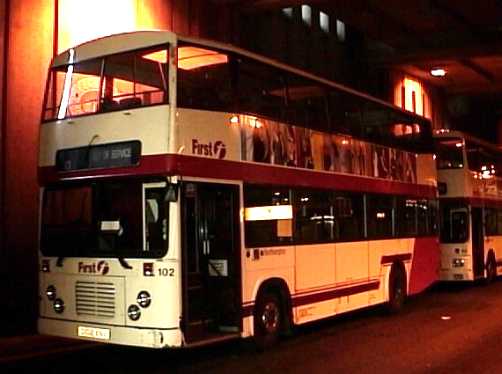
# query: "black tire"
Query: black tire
268,320
397,289
491,269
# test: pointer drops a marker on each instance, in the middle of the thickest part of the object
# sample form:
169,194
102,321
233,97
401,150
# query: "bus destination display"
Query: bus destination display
122,154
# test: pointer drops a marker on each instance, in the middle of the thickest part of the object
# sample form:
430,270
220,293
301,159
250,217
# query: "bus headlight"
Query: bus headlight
51,292
458,262
58,306
134,312
144,299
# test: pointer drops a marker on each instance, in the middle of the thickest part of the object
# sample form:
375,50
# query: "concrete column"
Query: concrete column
3,30
29,50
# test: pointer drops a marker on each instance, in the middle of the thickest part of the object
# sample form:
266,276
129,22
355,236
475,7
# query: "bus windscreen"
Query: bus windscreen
105,219
449,154
116,82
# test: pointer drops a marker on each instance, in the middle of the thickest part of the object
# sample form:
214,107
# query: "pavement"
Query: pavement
26,347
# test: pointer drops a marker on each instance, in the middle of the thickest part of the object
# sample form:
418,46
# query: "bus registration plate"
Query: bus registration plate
93,332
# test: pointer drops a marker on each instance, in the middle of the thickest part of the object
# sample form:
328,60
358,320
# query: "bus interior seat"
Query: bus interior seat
130,102
109,104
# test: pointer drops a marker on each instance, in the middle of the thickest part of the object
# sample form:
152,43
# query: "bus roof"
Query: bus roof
123,42
445,134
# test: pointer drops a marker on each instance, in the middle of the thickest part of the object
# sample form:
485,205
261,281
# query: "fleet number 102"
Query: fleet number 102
166,272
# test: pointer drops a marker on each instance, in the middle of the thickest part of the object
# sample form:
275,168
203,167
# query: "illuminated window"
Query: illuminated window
380,213
324,22
307,15
288,12
411,95
340,30
268,216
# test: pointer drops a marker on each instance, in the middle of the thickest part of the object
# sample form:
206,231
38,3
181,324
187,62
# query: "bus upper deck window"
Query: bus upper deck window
117,82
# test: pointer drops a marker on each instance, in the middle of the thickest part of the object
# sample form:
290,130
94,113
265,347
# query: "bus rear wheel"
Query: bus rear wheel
397,289
268,319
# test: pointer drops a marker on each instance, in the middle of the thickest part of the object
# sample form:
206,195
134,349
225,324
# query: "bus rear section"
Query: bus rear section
470,207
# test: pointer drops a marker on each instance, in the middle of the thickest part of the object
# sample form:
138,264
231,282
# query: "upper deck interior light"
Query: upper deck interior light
190,58
158,56
234,119
438,72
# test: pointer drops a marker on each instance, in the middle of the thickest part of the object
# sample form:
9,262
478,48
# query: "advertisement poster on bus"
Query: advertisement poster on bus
276,143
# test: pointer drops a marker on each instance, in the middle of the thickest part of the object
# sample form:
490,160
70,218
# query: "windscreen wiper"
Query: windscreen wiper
123,262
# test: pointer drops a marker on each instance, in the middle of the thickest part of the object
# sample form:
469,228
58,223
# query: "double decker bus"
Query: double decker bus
470,192
194,192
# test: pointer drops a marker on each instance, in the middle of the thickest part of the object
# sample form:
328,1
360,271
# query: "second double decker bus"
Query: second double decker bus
193,192
470,191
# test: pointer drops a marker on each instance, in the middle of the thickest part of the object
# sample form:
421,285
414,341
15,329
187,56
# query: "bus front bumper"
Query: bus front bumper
455,275
133,336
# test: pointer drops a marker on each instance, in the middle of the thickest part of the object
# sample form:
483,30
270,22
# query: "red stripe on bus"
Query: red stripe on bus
393,258
247,311
305,299
332,294
249,172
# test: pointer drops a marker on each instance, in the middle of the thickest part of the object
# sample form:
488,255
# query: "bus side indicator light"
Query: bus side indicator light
148,269
46,266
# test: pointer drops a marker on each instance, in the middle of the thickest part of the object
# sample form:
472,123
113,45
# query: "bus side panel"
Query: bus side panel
382,253
352,262
315,266
261,264
425,264
315,271
352,267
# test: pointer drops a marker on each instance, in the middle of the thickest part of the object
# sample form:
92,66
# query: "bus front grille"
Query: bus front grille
95,299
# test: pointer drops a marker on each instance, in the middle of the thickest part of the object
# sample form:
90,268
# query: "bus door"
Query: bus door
478,253
211,260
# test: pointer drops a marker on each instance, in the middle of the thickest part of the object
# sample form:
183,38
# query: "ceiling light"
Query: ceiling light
438,72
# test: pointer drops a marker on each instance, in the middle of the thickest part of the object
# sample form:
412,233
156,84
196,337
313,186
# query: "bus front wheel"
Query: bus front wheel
397,289
268,319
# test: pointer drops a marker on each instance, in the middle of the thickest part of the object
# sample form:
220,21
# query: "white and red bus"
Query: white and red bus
470,206
194,192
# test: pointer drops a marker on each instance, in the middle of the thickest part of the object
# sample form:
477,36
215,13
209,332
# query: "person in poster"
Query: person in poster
304,148
261,143
317,143
410,167
330,152
396,164
359,162
291,155
381,162
278,140
346,155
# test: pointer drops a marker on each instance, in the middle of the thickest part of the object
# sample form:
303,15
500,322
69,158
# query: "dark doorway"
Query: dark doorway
211,259
478,253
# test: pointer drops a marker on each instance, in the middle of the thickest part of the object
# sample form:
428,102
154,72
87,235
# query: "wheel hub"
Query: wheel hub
270,317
